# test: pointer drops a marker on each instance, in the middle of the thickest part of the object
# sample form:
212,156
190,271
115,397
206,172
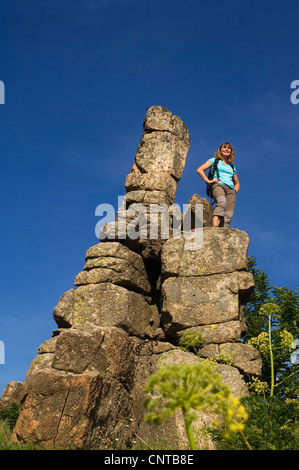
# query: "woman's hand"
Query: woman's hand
216,180
236,182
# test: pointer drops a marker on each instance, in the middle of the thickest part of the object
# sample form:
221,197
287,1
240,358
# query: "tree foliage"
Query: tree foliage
286,323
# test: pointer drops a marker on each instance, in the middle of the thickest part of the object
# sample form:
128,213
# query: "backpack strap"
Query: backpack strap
215,168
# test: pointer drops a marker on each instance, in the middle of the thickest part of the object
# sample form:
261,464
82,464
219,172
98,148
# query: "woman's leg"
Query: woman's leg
219,196
230,206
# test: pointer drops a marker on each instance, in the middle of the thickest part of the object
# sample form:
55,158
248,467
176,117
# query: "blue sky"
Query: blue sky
79,76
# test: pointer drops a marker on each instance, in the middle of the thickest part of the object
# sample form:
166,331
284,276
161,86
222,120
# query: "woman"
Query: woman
225,187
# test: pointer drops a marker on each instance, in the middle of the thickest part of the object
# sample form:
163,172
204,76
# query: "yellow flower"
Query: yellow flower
236,427
235,415
286,339
233,427
242,413
235,402
258,386
261,342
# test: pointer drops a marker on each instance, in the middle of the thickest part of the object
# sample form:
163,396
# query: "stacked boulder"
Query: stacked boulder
112,290
129,306
206,290
159,160
157,168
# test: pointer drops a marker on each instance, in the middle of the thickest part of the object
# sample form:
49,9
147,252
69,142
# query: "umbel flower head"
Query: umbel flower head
192,387
269,308
286,339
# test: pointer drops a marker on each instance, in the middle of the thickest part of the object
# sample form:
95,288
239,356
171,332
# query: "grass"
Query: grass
7,444
8,418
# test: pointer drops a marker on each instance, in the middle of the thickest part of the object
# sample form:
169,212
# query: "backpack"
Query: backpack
211,174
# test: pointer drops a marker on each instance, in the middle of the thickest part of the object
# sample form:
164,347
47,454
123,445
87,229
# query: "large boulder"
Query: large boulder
203,300
171,434
208,285
207,212
81,394
205,290
221,251
106,304
12,394
162,150
242,356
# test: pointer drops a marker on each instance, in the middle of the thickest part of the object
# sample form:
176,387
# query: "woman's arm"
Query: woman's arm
236,182
201,172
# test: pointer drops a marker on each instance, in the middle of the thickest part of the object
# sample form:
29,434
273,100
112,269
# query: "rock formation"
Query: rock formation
129,306
157,168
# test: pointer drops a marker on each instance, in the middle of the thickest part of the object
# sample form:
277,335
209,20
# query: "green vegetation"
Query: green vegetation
8,419
272,425
273,327
268,418
191,388
191,341
284,321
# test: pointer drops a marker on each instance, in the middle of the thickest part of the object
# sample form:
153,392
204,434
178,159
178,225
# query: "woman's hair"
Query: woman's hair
218,154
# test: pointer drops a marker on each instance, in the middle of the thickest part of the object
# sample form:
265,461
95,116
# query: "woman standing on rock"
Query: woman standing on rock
225,186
